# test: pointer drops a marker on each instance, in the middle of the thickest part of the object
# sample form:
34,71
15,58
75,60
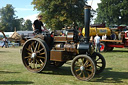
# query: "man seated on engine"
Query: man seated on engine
38,24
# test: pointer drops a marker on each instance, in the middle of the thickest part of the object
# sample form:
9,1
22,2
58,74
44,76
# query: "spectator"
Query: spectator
5,43
91,39
113,36
97,42
104,37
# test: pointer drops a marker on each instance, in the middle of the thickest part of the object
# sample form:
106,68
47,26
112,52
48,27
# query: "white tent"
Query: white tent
8,34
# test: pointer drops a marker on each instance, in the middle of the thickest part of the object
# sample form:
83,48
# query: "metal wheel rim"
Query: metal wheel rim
102,47
83,68
99,62
34,55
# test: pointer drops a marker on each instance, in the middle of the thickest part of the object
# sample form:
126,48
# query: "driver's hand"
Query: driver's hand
46,30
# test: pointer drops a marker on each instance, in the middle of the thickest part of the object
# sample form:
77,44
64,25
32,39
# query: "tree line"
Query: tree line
112,12
9,21
59,13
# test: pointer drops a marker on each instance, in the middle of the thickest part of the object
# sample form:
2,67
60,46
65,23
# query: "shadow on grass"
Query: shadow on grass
4,51
57,71
109,76
5,72
119,51
16,82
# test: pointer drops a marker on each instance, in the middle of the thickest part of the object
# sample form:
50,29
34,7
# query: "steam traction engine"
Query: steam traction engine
44,51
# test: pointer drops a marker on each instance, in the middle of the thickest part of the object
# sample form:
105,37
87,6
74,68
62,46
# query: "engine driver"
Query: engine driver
38,24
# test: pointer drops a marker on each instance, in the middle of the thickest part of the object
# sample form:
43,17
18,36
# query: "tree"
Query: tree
8,20
57,13
21,21
112,12
18,24
93,13
28,25
7,17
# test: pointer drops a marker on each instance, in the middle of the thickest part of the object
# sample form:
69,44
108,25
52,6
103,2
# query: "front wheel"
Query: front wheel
83,67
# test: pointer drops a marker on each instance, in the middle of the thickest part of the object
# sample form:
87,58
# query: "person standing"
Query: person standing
104,37
5,41
38,24
97,42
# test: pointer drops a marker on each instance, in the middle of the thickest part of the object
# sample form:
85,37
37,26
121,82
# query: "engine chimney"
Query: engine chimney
83,47
87,22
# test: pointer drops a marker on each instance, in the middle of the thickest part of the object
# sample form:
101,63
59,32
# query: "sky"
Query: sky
25,10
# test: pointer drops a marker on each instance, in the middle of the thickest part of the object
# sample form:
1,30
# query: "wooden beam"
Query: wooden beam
111,41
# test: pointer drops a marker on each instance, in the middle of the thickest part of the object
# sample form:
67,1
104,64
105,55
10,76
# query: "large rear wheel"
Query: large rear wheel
35,55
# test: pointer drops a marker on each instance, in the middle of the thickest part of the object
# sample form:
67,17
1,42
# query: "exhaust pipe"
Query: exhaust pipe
87,22
83,47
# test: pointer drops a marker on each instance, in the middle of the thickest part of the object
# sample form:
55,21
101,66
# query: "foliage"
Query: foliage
93,13
17,23
7,17
112,12
58,13
21,25
8,20
28,25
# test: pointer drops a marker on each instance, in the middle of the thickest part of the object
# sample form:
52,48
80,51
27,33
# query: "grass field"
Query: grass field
13,72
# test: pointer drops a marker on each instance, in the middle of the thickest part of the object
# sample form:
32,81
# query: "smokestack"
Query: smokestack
87,22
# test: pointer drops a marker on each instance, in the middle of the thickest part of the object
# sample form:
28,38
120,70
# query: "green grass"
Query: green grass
13,72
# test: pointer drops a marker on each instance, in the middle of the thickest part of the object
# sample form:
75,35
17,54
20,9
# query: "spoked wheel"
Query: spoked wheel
99,62
83,67
35,55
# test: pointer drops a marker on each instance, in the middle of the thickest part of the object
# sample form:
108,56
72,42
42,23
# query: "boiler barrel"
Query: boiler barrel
99,31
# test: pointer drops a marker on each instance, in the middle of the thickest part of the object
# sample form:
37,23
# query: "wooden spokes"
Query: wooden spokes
99,62
34,55
83,67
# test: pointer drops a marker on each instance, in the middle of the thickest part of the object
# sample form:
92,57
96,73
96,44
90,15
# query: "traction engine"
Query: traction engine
44,50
